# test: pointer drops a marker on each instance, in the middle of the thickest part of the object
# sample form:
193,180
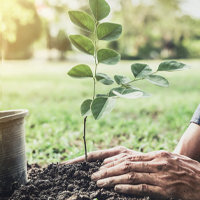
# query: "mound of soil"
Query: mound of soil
66,182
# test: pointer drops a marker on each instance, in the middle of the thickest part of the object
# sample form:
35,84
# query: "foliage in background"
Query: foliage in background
156,30
21,26
56,34
60,42
159,30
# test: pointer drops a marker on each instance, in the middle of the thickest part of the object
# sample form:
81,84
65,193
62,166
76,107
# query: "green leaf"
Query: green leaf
118,89
85,108
145,94
172,66
140,70
105,79
128,86
129,94
123,91
108,57
102,106
121,79
82,43
158,80
109,31
100,9
81,71
82,20
102,95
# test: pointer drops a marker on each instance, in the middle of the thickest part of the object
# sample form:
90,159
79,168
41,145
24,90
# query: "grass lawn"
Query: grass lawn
54,127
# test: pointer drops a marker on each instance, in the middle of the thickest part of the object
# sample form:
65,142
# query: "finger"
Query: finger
130,178
118,160
73,161
142,189
115,158
124,168
132,158
98,155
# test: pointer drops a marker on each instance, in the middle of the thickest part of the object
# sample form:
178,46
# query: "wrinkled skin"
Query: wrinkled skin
157,174
107,154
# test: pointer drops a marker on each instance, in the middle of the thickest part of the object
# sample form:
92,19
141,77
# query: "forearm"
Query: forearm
189,144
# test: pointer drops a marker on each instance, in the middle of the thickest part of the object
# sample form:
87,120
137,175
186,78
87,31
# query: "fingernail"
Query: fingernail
100,183
95,176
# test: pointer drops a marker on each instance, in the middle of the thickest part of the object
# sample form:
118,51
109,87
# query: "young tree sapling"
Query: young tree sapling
102,104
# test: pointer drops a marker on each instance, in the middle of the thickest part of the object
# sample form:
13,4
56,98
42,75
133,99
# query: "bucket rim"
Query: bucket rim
13,114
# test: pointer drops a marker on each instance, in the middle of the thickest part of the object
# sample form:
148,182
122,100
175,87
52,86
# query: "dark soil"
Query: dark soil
66,182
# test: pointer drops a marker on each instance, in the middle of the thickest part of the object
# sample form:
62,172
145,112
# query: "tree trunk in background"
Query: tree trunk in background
127,17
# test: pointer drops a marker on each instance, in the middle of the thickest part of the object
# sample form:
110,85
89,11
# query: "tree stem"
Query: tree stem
94,92
95,57
85,139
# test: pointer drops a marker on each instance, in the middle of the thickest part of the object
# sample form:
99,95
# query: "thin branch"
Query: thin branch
141,78
85,139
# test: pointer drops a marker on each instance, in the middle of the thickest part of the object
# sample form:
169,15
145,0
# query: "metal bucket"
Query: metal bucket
13,166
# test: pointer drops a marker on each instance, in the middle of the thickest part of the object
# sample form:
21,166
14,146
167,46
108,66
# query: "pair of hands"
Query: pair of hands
158,174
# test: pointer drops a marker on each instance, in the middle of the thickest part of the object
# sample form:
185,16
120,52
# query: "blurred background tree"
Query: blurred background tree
60,42
21,26
57,27
156,29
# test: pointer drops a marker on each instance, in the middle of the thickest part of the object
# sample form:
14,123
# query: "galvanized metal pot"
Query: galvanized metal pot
13,169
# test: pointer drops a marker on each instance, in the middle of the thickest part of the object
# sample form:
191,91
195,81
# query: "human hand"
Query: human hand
157,174
109,155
